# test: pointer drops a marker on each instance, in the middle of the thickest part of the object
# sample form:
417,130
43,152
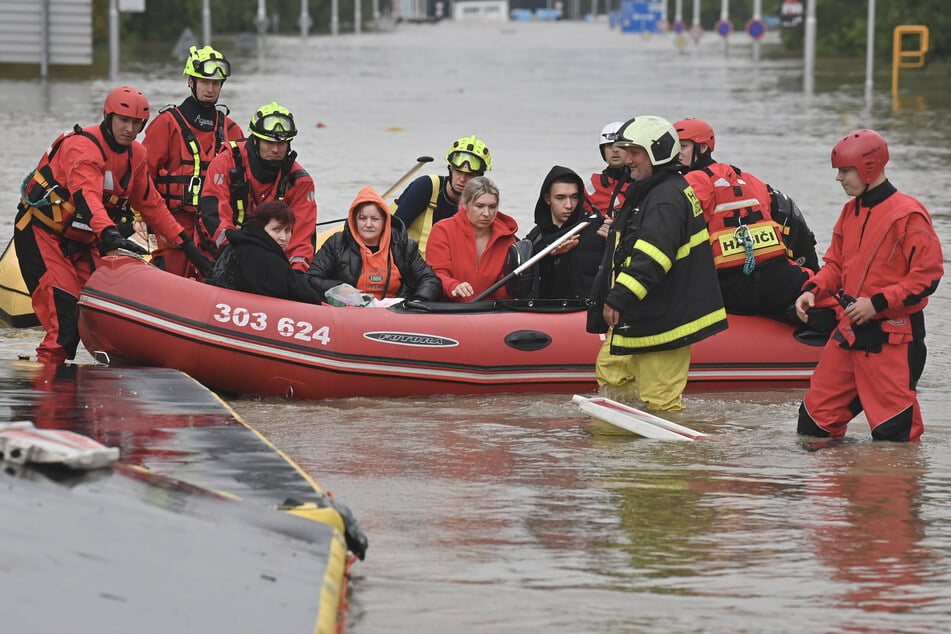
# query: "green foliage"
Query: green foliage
842,25
164,20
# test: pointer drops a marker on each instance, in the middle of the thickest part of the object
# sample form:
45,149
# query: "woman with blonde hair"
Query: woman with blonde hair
467,251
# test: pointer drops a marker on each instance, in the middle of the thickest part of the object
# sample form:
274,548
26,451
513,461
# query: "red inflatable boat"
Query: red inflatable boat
133,313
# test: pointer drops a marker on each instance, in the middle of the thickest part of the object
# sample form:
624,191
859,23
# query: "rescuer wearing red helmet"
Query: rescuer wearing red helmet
882,264
76,206
758,272
181,141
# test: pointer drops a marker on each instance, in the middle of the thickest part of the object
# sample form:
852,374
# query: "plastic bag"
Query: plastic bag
347,295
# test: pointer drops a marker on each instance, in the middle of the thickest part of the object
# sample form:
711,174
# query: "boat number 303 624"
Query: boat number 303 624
286,326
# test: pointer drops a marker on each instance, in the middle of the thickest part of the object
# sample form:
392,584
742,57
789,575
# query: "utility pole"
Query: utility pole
206,22
809,49
113,39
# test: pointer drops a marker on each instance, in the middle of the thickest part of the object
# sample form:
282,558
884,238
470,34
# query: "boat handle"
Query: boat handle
527,340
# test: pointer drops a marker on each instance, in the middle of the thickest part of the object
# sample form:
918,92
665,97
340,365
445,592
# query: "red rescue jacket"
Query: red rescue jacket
883,247
82,185
179,154
221,210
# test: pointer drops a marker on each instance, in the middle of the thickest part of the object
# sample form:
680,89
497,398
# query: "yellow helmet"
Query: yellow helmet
654,134
469,154
206,63
273,122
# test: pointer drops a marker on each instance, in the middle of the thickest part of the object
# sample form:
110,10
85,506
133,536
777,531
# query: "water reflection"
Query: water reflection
863,520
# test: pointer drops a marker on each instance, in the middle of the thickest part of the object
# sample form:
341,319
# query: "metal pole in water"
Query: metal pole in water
304,20
113,39
261,23
809,49
206,22
45,44
757,15
725,16
869,53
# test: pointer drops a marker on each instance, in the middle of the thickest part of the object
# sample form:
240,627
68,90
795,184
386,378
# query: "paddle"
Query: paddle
532,260
422,160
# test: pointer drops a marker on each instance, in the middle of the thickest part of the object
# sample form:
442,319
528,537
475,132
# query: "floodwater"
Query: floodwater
515,513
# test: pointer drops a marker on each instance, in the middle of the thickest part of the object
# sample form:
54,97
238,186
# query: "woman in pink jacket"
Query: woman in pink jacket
467,251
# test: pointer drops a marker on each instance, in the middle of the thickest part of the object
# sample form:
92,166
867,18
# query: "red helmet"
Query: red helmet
127,102
696,130
865,150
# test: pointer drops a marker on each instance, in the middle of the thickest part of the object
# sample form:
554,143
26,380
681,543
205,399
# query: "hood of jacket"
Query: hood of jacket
369,195
543,211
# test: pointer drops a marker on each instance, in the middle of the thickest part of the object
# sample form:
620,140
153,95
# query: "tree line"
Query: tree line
841,32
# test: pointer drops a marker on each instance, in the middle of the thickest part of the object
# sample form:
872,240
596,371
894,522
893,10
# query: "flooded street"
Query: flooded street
507,513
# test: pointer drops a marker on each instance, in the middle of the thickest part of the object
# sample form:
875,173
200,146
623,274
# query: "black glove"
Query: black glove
110,239
194,254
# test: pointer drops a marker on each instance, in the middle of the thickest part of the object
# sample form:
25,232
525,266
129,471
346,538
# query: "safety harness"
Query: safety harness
191,192
48,202
422,224
241,202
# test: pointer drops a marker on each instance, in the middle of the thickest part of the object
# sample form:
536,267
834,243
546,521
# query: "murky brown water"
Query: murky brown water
512,513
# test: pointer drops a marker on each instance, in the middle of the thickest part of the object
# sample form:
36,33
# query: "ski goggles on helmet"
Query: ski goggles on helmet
211,67
466,162
275,126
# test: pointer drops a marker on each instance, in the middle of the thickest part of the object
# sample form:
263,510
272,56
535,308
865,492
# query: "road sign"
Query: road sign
696,32
663,25
756,29
724,28
679,26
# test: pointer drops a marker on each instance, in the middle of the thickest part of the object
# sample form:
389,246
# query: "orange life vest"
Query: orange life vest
736,206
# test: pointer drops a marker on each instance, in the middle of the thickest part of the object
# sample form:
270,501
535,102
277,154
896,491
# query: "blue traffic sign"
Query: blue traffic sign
756,29
724,27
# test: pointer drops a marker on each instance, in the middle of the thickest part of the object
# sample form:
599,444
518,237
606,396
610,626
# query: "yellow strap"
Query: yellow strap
422,225
54,222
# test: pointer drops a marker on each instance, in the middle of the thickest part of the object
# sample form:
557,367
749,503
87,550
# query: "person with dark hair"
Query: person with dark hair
258,169
254,258
656,293
181,141
568,271
373,254
884,262
77,205
609,184
468,250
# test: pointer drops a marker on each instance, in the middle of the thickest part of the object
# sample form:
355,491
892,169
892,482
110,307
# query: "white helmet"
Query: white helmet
608,135
654,134
609,132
